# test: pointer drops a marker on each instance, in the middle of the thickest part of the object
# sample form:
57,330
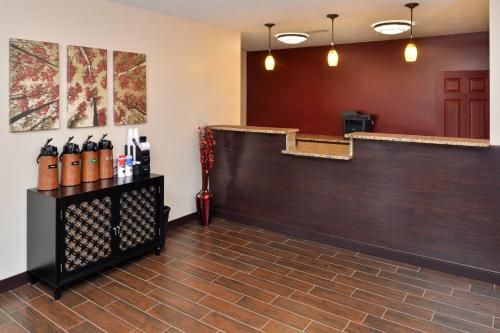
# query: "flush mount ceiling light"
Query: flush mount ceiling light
392,27
292,37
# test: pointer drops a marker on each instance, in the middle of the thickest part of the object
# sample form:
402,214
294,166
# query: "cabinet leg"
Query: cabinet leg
32,279
157,251
57,293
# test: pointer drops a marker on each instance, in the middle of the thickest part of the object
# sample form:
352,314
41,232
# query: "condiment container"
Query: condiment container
129,168
121,166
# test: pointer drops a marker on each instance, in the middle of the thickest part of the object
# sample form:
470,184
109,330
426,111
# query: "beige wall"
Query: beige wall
495,72
193,73
243,116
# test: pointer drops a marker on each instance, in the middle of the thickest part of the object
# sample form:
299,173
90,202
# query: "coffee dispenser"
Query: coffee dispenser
90,164
48,172
105,152
70,162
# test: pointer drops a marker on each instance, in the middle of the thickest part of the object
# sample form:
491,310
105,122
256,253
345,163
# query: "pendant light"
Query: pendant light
411,52
269,63
333,56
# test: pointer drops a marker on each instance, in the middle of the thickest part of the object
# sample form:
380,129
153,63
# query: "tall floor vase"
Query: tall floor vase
204,201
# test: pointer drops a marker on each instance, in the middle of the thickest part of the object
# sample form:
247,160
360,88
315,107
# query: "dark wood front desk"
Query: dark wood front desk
430,203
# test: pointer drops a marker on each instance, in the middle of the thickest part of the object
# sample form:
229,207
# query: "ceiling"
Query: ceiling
432,17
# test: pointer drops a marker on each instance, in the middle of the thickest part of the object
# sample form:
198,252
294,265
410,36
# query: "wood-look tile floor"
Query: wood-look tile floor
232,278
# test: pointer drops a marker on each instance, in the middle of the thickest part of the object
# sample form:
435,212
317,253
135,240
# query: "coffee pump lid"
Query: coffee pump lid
47,150
70,147
89,145
104,143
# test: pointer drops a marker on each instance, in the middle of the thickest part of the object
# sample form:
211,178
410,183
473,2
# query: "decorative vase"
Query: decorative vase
203,205
204,201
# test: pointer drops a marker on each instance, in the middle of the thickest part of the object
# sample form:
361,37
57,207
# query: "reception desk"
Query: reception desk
428,201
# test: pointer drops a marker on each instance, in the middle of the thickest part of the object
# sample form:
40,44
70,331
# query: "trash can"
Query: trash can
166,211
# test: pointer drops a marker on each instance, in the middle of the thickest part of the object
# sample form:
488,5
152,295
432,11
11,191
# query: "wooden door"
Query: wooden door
463,104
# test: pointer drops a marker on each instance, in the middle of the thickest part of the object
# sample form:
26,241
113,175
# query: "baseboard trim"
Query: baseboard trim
13,282
183,220
411,258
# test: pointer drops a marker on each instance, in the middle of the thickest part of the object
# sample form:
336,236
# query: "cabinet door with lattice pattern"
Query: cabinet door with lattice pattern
138,210
88,233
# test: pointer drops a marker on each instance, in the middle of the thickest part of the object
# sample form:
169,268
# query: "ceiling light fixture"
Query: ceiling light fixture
411,52
333,56
269,63
392,27
292,37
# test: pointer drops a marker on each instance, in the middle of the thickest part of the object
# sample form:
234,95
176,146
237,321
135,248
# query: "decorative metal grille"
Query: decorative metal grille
137,217
88,233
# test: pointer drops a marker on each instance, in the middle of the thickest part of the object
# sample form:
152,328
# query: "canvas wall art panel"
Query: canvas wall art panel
129,84
87,86
33,85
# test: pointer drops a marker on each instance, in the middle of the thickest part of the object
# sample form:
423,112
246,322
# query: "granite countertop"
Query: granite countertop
255,129
322,138
341,148
436,140
329,150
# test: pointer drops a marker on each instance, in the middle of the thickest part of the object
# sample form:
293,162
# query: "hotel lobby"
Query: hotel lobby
250,166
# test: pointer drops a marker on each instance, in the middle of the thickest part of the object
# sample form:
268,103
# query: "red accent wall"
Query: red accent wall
303,92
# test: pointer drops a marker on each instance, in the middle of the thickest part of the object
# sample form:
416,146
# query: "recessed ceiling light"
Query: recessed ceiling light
392,27
292,37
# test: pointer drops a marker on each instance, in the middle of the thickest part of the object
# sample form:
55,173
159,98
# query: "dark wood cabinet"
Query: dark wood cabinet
76,231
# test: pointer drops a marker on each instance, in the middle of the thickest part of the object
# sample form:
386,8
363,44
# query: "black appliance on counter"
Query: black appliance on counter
356,121
143,157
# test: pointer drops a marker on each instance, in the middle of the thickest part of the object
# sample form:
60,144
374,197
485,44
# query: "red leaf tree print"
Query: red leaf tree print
33,85
87,86
129,81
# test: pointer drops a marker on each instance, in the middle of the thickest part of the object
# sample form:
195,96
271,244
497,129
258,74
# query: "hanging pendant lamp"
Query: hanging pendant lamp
269,63
411,52
333,56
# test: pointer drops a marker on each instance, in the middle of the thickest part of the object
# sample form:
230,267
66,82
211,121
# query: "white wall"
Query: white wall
495,72
243,116
193,74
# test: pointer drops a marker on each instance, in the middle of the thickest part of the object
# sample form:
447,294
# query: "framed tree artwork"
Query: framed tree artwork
129,82
87,86
33,85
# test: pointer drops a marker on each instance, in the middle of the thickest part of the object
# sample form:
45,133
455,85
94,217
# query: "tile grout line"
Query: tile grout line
235,304
307,326
41,314
443,324
343,305
106,307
